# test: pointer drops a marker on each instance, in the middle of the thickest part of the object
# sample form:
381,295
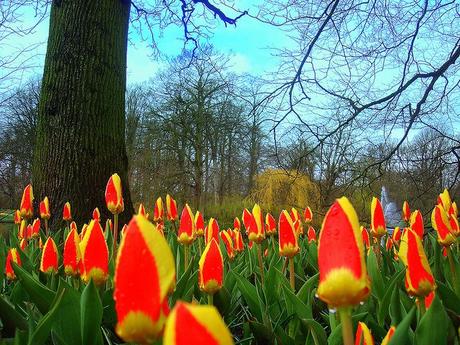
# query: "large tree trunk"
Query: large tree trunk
81,123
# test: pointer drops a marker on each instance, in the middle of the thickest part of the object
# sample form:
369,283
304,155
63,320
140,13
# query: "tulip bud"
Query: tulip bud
158,211
211,231
419,279
238,244
396,236
35,231
144,275
27,209
66,212
389,335
50,257
378,226
236,224
416,223
186,233
444,200
270,225
45,209
171,208
363,335
440,222
191,324
248,220
142,212
256,227
114,195
311,234
96,215
453,210
389,244
343,277
308,215
288,244
22,233
23,244
406,211
228,242
94,254
296,221
211,268
13,256
365,236
199,224
17,217
72,255
454,226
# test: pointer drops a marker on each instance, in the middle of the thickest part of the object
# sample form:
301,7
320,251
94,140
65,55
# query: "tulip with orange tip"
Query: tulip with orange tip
365,236
35,231
45,208
158,211
236,224
256,229
186,232
406,211
192,324
288,242
49,260
96,214
308,215
363,335
171,208
416,223
343,277
94,254
228,242
444,200
389,335
211,231
26,209
211,268
17,217
270,225
141,211
13,256
144,276
72,255
114,195
199,224
311,234
66,212
238,244
440,222
419,279
378,226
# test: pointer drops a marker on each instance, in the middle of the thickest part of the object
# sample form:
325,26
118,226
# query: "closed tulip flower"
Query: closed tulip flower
35,233
94,254
363,335
378,226
72,255
171,208
26,209
311,234
114,195
256,229
191,324
144,276
158,211
238,244
270,225
211,231
17,217
228,242
211,268
308,215
236,224
288,243
49,260
444,200
13,256
45,209
186,233
66,212
199,224
440,222
416,223
365,236
406,211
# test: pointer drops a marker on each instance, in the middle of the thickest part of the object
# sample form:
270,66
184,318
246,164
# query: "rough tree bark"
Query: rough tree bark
81,123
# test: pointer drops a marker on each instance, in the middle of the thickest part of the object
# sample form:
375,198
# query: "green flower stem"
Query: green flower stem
261,264
115,233
186,255
210,299
347,326
292,274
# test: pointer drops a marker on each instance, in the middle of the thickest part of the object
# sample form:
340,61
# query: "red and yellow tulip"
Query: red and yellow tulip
256,231
365,236
363,335
396,236
406,211
287,235
26,209
389,335
440,222
297,221
141,211
270,225
343,276
158,211
35,229
248,220
419,279
22,232
236,224
94,254
378,226
199,224
238,243
114,195
308,215
144,276
211,231
17,217
228,242
97,214
72,255
211,268
50,257
416,223
444,200
13,256
45,208
186,232
191,324
66,212
311,234
171,208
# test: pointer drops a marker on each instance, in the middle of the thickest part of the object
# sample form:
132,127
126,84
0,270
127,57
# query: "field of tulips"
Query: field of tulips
173,278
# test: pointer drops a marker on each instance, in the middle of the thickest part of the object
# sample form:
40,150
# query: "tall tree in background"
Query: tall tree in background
81,125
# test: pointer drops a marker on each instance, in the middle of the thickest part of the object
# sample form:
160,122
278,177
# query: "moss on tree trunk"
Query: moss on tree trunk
81,124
